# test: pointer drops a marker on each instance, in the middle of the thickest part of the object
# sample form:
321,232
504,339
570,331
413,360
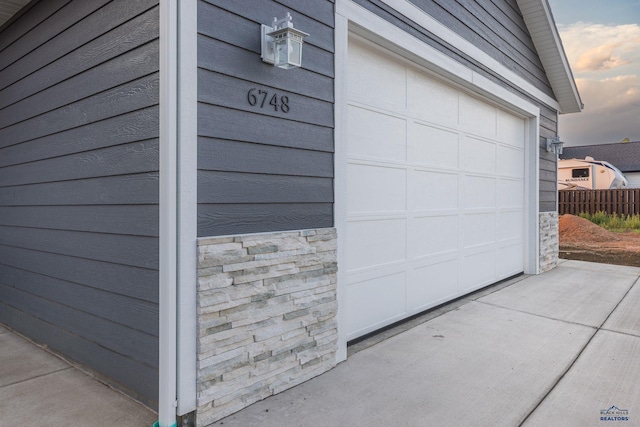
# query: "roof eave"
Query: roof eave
9,8
541,25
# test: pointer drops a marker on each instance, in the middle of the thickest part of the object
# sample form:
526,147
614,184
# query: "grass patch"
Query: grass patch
617,223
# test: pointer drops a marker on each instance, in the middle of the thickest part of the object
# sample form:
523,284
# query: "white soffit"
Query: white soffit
544,33
8,8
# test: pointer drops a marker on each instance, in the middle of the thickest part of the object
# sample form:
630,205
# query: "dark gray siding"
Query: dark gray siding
79,184
259,169
548,161
497,28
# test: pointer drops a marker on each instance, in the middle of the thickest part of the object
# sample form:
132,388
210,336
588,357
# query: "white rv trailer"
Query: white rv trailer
589,174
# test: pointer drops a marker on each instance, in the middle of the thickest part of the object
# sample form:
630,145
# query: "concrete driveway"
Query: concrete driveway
38,389
558,349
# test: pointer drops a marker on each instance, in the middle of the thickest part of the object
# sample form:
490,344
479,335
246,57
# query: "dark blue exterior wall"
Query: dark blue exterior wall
79,184
261,169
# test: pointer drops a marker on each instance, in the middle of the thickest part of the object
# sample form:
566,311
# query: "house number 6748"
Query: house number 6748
259,97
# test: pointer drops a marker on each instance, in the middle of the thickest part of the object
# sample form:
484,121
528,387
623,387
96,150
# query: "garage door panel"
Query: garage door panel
478,230
511,129
477,155
435,235
430,285
367,313
432,100
376,135
478,117
479,192
510,193
376,188
373,243
510,226
432,146
432,191
510,161
477,270
510,260
387,77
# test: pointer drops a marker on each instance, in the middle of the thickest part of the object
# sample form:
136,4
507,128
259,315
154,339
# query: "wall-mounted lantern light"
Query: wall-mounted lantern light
282,44
554,145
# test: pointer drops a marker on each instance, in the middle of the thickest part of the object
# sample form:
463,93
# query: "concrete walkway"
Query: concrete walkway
39,389
558,349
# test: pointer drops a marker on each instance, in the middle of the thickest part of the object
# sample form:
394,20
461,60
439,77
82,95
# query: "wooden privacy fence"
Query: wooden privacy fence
621,202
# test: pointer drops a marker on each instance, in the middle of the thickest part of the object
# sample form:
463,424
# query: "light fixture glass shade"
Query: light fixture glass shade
288,47
554,145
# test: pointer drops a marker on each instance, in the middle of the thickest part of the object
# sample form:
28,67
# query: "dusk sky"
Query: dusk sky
602,42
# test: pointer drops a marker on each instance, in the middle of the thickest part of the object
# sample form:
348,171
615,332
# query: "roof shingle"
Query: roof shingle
623,155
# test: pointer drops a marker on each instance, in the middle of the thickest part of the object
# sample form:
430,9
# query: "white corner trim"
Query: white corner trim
168,212
532,196
187,175
340,172
420,17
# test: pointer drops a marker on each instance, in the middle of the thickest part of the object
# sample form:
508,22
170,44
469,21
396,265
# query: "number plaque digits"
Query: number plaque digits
258,98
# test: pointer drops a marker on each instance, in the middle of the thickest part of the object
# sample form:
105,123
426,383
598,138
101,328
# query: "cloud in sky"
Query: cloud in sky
605,60
611,113
598,47
599,58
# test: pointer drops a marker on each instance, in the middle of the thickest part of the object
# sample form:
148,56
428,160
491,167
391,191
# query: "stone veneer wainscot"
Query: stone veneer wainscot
549,241
266,316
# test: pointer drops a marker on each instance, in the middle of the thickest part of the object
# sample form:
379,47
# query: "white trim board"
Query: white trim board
351,18
187,215
340,170
168,213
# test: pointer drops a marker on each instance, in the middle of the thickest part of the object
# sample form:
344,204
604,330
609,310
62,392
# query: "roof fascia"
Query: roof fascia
10,9
544,33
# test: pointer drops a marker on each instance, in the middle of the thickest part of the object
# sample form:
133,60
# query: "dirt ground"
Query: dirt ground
583,240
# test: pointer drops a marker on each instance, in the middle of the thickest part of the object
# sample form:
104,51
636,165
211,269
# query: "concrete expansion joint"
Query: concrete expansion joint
620,332
541,316
579,354
38,376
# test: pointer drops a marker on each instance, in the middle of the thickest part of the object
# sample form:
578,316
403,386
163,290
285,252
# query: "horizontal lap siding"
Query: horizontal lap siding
498,29
79,184
548,162
259,169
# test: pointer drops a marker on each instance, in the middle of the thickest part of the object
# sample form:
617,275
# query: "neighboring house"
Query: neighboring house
191,244
623,155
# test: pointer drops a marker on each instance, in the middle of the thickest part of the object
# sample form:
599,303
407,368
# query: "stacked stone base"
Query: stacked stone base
266,316
549,241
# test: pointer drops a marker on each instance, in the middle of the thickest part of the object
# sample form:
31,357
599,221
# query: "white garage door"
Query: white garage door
435,191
